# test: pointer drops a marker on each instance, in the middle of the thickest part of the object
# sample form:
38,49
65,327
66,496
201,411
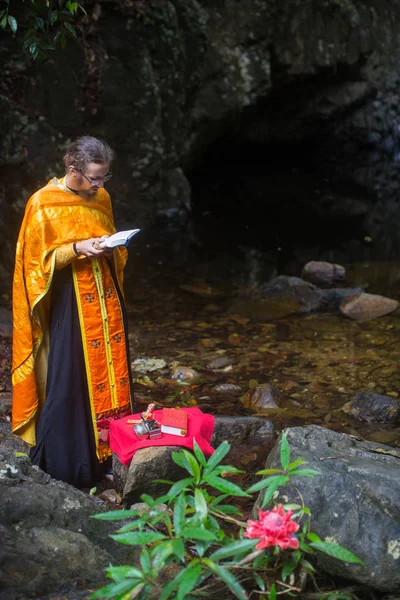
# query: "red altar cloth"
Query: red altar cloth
124,441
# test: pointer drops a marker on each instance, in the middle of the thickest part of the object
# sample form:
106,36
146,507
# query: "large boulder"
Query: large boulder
47,534
355,501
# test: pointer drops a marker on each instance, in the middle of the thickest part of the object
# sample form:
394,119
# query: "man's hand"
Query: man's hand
91,248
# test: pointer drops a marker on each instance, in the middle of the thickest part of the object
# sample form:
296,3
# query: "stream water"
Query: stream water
317,362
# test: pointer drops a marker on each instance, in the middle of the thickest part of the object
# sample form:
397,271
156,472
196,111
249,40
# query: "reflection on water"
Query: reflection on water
317,361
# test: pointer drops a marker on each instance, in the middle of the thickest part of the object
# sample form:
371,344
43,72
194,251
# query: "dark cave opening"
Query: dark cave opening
278,200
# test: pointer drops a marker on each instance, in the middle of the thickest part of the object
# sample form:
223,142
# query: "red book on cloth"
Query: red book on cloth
174,421
124,442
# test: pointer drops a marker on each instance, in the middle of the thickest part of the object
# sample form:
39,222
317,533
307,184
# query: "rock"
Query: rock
280,297
5,403
184,373
5,322
355,501
228,388
374,408
244,430
146,465
323,273
145,365
363,307
47,534
332,299
262,397
220,363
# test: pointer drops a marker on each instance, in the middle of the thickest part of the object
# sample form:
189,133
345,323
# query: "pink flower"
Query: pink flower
275,528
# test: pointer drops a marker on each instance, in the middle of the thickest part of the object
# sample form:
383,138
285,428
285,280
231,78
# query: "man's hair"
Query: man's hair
87,149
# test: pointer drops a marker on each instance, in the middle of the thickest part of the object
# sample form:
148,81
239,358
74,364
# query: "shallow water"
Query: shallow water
317,362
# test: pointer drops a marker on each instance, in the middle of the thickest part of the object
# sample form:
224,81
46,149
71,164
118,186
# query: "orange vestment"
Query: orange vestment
53,218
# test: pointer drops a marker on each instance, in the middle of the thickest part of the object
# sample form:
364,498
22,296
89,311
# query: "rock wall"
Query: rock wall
161,80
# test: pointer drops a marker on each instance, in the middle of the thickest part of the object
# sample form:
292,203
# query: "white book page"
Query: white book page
172,430
118,239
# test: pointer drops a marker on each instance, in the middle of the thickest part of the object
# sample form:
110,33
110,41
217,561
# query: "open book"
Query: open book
121,238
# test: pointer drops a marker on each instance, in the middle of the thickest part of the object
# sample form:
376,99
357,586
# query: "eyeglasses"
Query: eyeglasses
98,180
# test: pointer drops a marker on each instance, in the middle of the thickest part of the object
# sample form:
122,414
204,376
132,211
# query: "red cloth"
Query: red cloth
124,441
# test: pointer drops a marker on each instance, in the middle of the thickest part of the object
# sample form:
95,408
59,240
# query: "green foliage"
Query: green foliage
45,24
190,531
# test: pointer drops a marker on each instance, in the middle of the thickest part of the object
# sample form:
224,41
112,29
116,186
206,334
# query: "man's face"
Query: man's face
92,178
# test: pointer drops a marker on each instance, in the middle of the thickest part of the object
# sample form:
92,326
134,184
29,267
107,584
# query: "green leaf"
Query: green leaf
197,533
169,587
138,538
179,485
233,549
145,561
12,21
20,454
200,504
179,514
116,590
53,17
313,537
218,455
115,515
260,582
269,493
272,592
191,578
305,547
268,482
336,551
199,453
296,463
132,526
125,571
285,452
307,565
229,579
40,23
305,472
179,548
70,29
228,509
33,47
269,471
71,6
191,465
225,486
290,565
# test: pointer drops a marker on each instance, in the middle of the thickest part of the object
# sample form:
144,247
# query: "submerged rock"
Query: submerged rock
184,374
363,307
374,408
323,273
263,396
355,501
279,297
333,298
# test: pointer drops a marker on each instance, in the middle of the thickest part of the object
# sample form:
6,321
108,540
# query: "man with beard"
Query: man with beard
71,368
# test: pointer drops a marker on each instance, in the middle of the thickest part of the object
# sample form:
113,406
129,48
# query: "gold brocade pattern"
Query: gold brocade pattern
65,255
53,218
